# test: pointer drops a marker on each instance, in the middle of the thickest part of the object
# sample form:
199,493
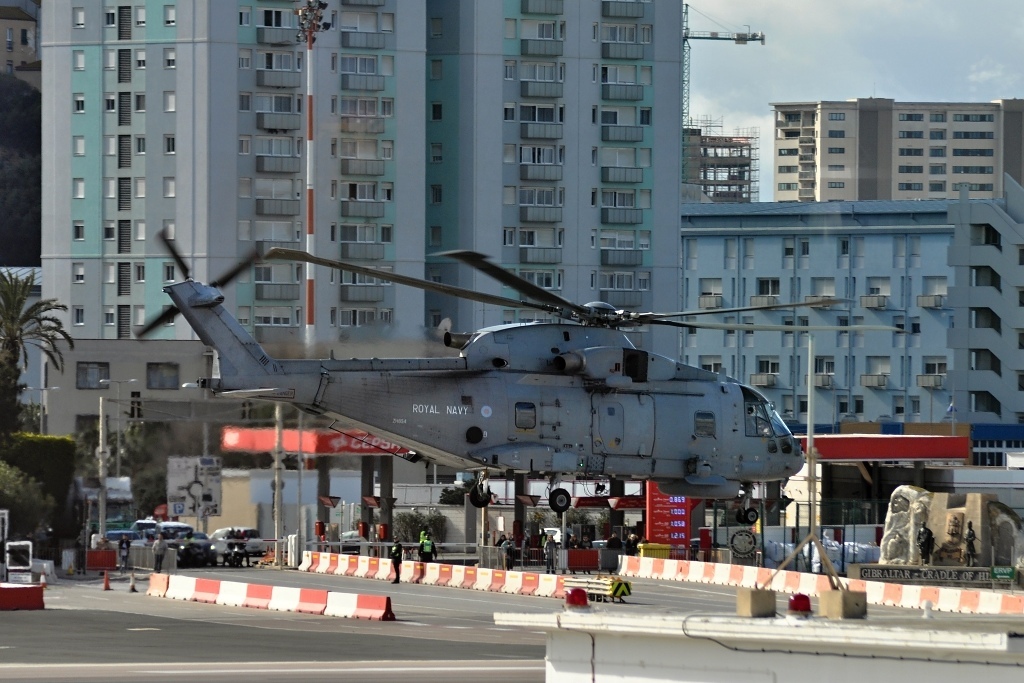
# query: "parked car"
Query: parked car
144,528
254,544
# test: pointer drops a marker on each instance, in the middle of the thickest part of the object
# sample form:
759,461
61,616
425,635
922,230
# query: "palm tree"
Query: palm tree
24,324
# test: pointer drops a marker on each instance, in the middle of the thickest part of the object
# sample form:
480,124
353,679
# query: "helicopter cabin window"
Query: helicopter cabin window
704,424
757,421
526,415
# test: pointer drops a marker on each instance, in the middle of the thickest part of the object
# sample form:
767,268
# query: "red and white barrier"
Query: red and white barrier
16,596
963,600
274,598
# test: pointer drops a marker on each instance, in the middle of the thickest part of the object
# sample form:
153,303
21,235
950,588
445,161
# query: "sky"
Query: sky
906,50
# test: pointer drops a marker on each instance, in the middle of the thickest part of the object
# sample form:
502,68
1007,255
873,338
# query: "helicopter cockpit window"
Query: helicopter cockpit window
704,424
526,416
757,421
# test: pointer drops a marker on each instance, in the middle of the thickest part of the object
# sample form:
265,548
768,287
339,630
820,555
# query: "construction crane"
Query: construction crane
687,36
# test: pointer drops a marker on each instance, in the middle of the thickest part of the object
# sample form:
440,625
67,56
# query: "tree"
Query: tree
24,498
455,495
20,172
25,324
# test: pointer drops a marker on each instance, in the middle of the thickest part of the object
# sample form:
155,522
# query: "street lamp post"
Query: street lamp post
118,382
42,404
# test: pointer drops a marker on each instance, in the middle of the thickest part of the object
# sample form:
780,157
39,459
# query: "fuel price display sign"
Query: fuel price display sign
668,517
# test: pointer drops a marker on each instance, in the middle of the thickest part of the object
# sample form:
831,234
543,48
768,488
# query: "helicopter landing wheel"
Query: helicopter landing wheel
747,516
479,497
559,500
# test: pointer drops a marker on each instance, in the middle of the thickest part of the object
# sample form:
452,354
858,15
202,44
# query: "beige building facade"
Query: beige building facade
878,148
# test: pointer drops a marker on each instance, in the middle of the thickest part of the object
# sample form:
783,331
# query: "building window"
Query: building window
170,101
911,134
78,60
789,152
836,184
435,153
837,133
169,187
79,102
162,376
88,375
140,144
837,150
78,230
140,16
911,117
435,194
245,59
170,15
78,17
140,59
911,187
836,116
169,58
435,111
140,102
78,188
168,144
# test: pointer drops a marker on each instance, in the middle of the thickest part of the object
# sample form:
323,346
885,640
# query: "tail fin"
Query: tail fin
239,354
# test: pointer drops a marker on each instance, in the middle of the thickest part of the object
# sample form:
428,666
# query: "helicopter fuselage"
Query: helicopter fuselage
550,398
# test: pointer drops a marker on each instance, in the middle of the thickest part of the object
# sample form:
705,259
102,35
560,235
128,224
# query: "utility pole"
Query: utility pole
101,454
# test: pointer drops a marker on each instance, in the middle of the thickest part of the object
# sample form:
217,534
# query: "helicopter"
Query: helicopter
573,398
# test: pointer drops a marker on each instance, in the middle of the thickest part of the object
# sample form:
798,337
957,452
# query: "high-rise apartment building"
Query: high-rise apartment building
725,167
543,133
876,148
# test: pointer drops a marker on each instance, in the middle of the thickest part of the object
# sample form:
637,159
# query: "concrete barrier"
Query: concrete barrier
16,596
158,585
181,587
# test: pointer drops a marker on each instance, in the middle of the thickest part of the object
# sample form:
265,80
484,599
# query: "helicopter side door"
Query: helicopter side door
623,424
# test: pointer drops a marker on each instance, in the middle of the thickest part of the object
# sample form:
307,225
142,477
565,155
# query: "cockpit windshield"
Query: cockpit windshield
761,418
777,424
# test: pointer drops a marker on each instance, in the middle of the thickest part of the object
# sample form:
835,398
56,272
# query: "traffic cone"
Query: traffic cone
131,585
106,580
42,580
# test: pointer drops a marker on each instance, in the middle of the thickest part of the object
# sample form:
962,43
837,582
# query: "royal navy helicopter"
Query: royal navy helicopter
573,398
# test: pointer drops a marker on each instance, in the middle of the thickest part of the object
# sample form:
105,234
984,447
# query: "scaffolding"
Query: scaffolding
726,167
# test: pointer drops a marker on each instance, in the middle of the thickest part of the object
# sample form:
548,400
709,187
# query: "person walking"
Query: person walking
396,558
123,547
159,548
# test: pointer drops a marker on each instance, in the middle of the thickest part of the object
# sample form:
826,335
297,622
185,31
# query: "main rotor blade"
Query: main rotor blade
162,319
280,253
644,318
480,262
174,253
778,328
236,270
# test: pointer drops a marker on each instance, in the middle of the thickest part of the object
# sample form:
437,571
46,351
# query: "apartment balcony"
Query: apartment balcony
275,292
816,300
540,214
622,257
362,124
277,334
763,379
806,158
540,171
621,174
362,167
807,194
266,78
269,164
874,381
362,40
622,134
267,121
541,7
275,36
541,131
823,381
540,255
614,216
806,175
549,89
621,298
263,246
362,3
277,207
362,293
930,300
930,381
875,301
621,91
532,47
708,301
806,140
362,82
362,251
764,300
352,208
622,10
622,50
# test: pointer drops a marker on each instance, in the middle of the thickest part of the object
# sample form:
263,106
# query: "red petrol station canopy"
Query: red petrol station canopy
314,442
875,447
